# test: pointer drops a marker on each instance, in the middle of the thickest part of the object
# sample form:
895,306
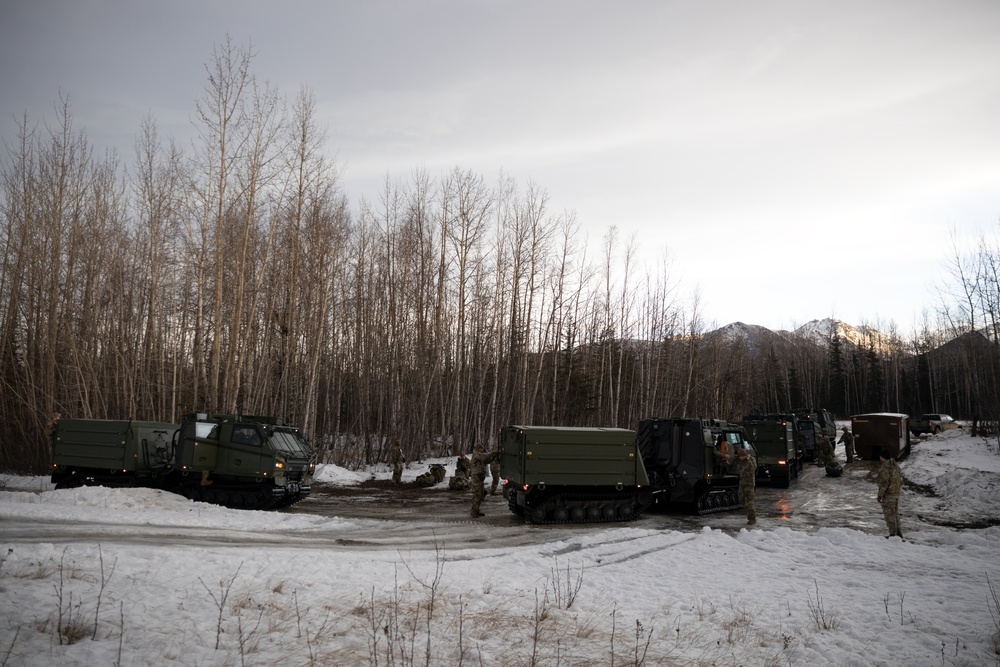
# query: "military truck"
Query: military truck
566,475
779,453
245,462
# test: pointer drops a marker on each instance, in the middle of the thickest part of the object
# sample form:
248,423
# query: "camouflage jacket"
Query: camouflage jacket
480,460
748,471
397,456
890,479
847,438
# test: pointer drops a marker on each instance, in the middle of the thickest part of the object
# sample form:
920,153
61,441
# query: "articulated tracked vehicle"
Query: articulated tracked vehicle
566,475
779,452
237,461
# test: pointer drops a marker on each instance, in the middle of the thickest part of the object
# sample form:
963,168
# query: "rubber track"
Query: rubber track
725,508
554,502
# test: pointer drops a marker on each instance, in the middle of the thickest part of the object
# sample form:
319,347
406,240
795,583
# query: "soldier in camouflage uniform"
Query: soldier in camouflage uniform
460,480
824,449
890,485
434,475
722,455
397,463
480,459
748,483
848,439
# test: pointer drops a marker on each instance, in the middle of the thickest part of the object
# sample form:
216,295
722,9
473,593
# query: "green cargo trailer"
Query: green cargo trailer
559,474
110,452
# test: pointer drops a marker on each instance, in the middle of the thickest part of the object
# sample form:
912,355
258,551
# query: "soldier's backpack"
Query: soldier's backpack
834,469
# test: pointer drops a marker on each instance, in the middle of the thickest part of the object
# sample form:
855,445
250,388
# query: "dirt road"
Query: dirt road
385,516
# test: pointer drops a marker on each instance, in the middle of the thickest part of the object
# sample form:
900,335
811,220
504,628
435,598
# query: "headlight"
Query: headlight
279,465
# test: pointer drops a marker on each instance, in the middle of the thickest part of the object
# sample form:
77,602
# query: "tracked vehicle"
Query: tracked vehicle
780,453
242,462
683,472
569,475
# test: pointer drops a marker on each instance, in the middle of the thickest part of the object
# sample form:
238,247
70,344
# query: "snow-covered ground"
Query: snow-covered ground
608,595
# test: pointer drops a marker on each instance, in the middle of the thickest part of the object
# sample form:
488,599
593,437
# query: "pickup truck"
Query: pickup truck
932,423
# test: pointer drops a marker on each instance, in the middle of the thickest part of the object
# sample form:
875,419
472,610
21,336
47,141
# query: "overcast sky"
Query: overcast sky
792,160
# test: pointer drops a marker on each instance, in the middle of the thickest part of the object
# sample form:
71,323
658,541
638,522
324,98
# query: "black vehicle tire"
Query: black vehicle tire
593,513
577,514
560,514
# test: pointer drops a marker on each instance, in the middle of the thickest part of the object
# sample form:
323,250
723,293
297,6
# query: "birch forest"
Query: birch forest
233,275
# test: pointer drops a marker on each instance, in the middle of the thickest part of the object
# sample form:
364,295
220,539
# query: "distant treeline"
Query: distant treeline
236,277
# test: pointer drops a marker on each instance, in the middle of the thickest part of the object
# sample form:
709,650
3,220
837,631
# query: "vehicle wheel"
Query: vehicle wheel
629,511
593,513
610,511
538,515
560,514
577,514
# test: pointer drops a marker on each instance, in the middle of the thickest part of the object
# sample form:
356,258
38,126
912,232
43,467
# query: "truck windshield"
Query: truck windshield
206,430
289,442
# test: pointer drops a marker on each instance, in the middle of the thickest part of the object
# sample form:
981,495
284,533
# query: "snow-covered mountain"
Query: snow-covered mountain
821,331
759,340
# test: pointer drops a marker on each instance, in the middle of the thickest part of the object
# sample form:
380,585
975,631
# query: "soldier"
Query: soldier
890,484
824,450
480,459
53,422
434,475
460,480
495,473
426,478
748,483
397,463
721,454
848,439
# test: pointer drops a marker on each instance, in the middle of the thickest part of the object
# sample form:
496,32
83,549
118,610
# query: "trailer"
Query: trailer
562,475
878,430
